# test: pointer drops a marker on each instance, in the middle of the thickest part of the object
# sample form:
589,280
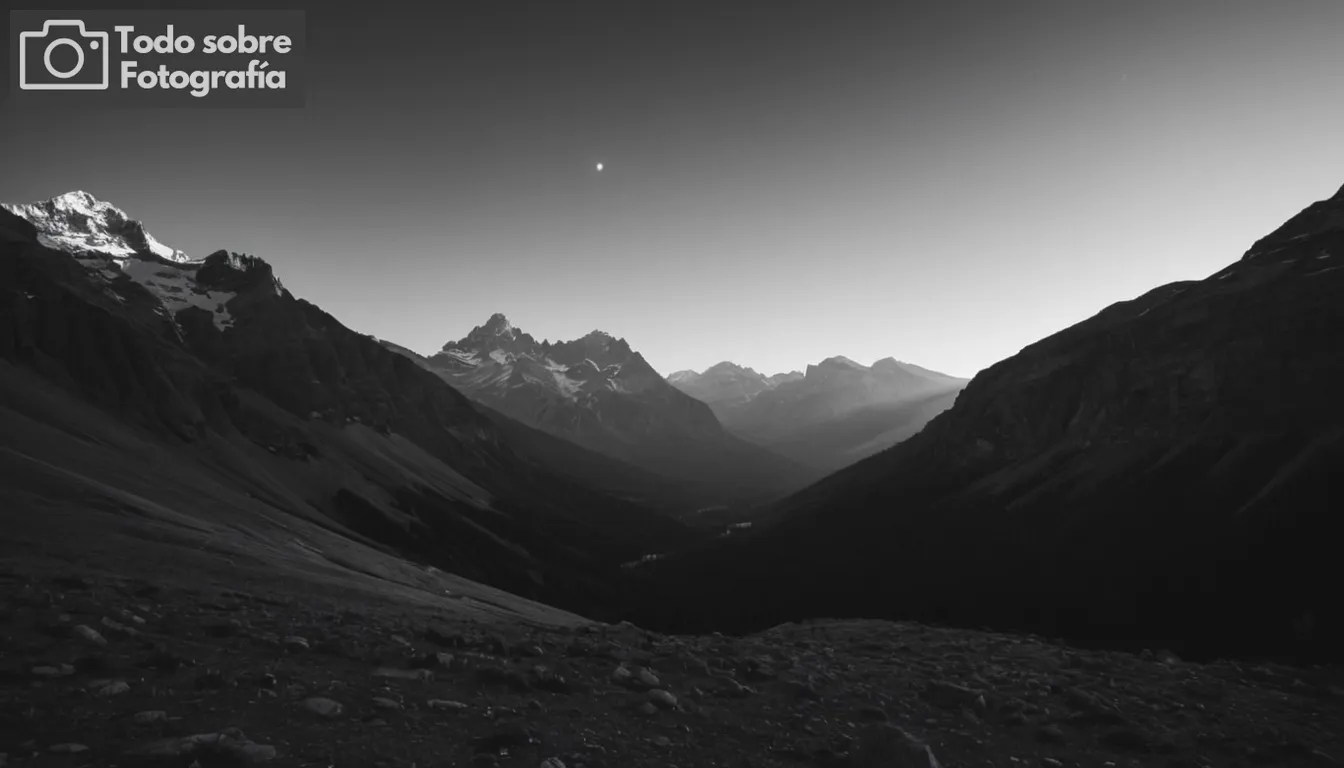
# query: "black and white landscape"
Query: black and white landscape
708,386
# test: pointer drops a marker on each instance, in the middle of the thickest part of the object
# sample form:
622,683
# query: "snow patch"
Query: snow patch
1322,271
176,289
463,356
568,387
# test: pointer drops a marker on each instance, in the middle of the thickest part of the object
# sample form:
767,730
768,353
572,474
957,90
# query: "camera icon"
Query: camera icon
40,71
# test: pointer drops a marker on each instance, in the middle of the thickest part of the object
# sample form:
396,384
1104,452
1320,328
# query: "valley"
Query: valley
239,532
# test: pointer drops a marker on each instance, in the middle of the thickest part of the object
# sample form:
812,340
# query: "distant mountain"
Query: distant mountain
220,400
722,386
595,470
1164,474
833,415
599,393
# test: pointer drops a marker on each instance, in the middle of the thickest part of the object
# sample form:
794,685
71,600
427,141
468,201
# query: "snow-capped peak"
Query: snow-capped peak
114,248
79,223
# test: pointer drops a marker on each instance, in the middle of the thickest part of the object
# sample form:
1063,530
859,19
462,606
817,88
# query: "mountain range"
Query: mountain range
599,393
200,394
834,414
1158,475
1165,473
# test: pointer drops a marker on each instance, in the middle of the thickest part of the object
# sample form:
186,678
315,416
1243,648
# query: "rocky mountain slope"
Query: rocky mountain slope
834,414
1160,474
183,388
137,670
599,393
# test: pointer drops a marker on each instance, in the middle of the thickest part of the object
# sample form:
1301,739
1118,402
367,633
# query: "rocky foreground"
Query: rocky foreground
111,672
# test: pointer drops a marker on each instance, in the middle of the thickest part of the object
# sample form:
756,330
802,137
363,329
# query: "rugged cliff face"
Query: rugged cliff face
1160,474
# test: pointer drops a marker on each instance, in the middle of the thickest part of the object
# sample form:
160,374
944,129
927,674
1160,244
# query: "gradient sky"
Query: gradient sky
943,182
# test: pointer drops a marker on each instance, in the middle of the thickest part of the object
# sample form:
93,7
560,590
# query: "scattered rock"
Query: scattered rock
662,699
323,707
115,688
89,635
545,680
884,746
423,675
150,717
118,629
733,689
230,747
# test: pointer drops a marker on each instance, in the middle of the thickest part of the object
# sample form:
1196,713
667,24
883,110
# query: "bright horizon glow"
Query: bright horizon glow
931,183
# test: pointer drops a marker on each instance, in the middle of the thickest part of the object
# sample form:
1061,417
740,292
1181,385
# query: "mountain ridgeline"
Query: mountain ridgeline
598,393
829,417
1163,474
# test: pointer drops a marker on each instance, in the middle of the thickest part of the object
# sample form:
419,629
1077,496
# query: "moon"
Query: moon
599,166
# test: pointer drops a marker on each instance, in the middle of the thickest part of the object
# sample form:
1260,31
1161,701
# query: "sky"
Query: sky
943,182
